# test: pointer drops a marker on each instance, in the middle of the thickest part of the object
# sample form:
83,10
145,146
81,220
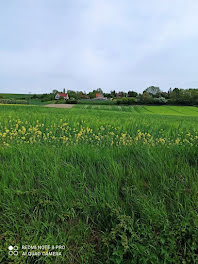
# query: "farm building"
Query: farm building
99,96
62,95
119,95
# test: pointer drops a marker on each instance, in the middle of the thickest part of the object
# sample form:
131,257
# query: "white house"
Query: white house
63,95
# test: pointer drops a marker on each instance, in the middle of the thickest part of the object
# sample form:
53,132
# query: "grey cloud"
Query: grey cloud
86,44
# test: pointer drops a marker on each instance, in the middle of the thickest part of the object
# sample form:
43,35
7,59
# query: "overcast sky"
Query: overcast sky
87,44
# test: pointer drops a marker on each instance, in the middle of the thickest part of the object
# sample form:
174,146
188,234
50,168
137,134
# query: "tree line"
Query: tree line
151,95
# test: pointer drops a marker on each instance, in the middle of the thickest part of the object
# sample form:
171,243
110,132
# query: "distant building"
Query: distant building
85,97
99,96
61,95
119,95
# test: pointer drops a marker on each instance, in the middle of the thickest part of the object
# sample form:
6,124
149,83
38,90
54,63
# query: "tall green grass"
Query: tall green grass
106,204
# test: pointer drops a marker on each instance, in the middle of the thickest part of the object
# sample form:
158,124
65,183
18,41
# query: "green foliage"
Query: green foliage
16,96
73,94
46,97
71,101
97,102
126,101
92,94
55,92
131,241
145,98
113,93
132,94
60,101
160,100
153,90
184,97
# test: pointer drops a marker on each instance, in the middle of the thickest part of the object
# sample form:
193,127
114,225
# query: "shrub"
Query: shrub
160,100
60,101
46,97
145,98
71,101
96,102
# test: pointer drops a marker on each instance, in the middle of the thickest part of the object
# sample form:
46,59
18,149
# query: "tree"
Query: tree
99,90
153,90
72,94
132,94
113,93
55,91
184,97
174,95
145,98
108,95
169,91
92,94
165,95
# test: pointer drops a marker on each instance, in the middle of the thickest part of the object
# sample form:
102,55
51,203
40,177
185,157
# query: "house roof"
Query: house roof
62,94
99,94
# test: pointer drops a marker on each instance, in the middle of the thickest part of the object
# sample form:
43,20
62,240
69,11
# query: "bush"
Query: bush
46,97
160,100
60,101
36,96
96,102
71,101
145,98
68,101
126,101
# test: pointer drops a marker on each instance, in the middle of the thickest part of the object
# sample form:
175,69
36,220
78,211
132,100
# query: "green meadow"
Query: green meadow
112,184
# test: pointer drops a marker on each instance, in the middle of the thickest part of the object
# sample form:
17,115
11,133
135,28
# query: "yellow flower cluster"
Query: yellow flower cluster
146,138
17,132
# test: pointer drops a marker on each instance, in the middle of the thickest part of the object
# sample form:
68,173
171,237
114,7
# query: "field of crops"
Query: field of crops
113,184
14,96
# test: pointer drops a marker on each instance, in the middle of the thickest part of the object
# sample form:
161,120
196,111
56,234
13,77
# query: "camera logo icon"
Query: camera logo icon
13,250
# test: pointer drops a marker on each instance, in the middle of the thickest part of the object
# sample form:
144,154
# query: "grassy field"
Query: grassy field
27,97
15,96
113,184
162,110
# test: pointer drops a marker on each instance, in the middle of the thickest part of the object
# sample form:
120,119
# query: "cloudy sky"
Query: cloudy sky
87,44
